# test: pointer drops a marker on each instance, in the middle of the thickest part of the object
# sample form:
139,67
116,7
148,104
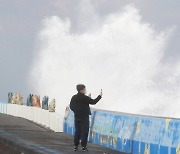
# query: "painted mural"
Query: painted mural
130,133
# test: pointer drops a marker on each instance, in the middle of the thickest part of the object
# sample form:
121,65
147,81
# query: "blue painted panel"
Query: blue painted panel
3,107
163,150
154,148
115,131
131,133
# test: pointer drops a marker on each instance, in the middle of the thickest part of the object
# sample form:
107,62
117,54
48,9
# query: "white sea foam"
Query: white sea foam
122,55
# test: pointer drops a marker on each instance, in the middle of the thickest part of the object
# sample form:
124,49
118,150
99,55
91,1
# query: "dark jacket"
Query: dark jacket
80,104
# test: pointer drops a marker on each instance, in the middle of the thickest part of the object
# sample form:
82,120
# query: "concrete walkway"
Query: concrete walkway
7,150
28,138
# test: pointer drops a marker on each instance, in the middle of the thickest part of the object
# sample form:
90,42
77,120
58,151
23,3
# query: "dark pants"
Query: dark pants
81,130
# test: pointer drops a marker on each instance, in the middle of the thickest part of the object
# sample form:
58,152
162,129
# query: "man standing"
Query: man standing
80,106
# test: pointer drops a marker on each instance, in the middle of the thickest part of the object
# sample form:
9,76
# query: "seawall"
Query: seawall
136,134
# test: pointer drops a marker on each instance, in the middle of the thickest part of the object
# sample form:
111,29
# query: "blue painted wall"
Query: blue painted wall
3,108
131,133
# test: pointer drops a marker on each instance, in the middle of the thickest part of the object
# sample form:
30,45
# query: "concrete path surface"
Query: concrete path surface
7,150
27,137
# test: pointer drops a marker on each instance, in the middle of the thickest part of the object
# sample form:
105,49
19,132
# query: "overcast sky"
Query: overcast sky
20,22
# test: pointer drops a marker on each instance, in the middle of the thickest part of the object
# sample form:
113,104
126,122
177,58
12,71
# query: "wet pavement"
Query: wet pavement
7,150
27,137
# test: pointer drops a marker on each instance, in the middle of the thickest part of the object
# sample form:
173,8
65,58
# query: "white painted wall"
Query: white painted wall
40,116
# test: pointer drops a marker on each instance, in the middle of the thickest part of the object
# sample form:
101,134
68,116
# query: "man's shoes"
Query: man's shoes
84,149
75,148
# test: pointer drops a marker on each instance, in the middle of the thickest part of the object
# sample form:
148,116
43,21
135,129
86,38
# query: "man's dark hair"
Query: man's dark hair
80,87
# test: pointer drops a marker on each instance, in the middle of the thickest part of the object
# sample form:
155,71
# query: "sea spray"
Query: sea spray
122,55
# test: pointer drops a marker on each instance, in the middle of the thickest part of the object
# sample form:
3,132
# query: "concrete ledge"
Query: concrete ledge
52,120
